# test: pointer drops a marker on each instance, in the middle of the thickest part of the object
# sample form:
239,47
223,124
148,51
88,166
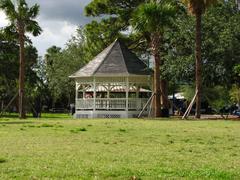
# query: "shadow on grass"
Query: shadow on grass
16,122
2,160
53,117
43,116
190,119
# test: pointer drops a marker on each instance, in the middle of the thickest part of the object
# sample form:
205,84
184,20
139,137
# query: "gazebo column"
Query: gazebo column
127,95
108,95
108,91
94,94
76,96
84,94
76,93
138,100
137,92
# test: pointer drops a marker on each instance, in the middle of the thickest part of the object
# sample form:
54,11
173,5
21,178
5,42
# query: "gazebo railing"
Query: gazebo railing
84,104
111,104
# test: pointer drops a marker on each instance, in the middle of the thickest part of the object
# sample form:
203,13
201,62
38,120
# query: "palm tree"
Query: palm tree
21,19
197,8
151,19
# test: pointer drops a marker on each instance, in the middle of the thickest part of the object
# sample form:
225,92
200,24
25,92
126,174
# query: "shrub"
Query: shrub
122,130
2,160
46,125
78,130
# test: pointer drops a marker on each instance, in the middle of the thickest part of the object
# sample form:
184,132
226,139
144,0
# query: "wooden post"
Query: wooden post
77,86
108,96
149,100
94,95
137,92
138,100
9,104
187,112
84,93
76,96
127,92
150,108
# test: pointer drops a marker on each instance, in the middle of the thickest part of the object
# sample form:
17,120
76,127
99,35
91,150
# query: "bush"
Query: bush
2,160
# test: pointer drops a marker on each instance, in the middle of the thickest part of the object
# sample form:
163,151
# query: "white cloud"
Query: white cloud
68,28
3,19
58,19
55,32
57,35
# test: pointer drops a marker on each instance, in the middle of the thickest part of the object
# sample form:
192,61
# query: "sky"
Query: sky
58,19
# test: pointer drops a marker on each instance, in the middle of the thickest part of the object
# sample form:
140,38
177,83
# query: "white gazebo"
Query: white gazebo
115,84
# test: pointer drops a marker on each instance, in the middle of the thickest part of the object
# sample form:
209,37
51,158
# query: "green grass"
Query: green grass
119,149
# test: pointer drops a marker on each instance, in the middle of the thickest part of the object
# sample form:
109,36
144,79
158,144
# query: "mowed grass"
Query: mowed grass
119,149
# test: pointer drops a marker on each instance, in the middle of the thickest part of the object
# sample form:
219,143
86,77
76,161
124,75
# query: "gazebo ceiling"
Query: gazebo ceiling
115,60
116,89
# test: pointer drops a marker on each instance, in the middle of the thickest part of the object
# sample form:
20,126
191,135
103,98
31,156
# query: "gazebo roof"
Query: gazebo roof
115,60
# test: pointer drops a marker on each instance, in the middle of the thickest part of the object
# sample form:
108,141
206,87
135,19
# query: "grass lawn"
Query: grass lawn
64,148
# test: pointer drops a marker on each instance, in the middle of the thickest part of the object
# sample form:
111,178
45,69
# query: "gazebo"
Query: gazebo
115,84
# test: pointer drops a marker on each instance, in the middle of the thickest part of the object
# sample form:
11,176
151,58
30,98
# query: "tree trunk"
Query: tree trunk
157,91
22,114
155,45
164,90
198,65
164,95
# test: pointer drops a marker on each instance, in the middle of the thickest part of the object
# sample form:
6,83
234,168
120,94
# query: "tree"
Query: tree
21,19
235,91
8,75
114,24
221,47
197,8
119,12
152,19
9,49
60,64
99,35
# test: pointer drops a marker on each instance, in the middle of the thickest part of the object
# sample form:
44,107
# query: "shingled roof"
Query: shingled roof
115,60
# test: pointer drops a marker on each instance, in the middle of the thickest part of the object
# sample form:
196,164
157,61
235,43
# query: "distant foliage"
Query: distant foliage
235,94
9,66
60,64
49,75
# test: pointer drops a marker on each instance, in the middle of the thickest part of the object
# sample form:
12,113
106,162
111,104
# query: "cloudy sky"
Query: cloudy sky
58,19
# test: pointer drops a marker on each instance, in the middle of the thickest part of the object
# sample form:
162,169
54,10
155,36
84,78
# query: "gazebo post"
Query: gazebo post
138,100
76,95
108,96
108,92
127,92
94,95
137,92
84,93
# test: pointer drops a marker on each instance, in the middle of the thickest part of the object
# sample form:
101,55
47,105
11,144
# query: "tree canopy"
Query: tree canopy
220,41
220,48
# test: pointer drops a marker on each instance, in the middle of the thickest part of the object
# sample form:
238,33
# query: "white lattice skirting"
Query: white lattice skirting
107,114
